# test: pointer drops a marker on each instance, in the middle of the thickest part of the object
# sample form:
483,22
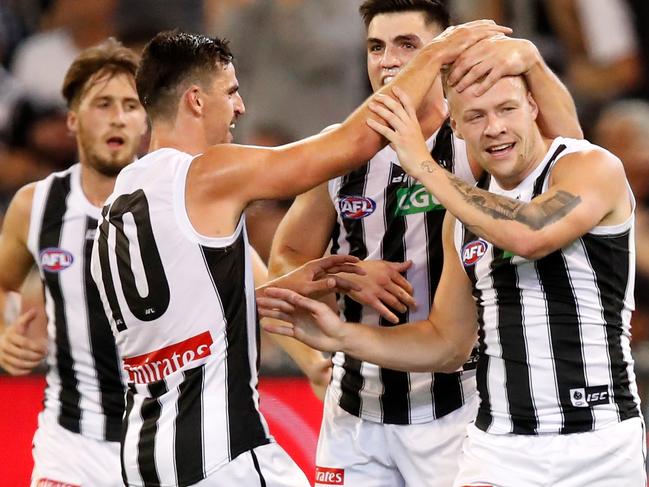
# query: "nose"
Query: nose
239,107
495,125
390,58
118,116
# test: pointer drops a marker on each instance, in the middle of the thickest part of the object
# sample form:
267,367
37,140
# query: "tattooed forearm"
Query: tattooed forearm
534,215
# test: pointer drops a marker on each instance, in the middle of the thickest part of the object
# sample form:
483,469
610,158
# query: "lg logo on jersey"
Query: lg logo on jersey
589,396
329,476
55,260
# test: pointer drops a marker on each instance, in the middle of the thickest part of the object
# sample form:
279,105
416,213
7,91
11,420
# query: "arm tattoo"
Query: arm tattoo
429,166
534,215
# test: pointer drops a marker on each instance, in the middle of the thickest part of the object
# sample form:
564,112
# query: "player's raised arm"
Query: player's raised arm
247,174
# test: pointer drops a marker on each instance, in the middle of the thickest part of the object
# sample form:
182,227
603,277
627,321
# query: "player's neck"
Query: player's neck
95,185
183,137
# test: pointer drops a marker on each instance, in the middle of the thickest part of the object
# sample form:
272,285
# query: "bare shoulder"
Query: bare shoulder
16,222
588,166
21,204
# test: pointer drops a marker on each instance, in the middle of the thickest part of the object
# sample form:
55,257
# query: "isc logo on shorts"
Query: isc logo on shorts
585,397
330,476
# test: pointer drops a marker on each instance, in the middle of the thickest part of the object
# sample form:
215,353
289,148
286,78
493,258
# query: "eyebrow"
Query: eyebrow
413,38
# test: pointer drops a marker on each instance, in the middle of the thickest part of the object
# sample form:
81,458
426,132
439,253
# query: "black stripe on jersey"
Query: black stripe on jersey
484,417
255,462
106,273
446,388
442,151
227,268
511,335
103,349
189,442
50,237
565,338
352,381
396,384
151,410
609,258
130,391
538,183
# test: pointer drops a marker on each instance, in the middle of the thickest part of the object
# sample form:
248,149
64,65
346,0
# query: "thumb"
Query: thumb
22,323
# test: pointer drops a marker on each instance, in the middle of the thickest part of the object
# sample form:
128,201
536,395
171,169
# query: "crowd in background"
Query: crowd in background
301,66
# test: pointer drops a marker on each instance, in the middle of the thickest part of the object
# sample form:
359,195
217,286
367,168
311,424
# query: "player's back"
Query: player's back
182,308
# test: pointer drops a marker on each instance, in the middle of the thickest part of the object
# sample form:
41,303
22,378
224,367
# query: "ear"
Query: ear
72,121
456,131
533,105
194,102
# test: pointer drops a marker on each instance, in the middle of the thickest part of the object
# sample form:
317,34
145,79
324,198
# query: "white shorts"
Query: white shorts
610,457
66,459
356,452
267,465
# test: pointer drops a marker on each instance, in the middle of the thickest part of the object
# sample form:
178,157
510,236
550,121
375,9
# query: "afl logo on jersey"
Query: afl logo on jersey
356,207
55,260
473,252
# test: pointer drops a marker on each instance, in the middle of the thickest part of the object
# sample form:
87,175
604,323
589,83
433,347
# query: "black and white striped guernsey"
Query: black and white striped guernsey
554,332
85,388
382,213
182,308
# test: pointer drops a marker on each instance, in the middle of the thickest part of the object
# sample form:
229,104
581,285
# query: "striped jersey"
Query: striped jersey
554,353
85,387
382,213
182,309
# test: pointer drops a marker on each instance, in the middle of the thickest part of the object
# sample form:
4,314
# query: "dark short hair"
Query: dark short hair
434,10
109,57
172,60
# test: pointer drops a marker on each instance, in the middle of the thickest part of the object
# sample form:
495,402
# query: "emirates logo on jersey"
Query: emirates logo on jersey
356,207
473,252
55,259
54,483
329,476
156,365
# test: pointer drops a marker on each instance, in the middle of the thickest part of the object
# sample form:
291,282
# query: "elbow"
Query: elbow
530,245
453,362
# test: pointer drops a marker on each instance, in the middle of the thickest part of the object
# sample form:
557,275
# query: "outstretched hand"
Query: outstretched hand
401,127
20,353
319,277
310,321
383,287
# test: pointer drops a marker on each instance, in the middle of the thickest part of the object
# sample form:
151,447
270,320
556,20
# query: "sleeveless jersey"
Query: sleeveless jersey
382,213
554,353
85,388
183,312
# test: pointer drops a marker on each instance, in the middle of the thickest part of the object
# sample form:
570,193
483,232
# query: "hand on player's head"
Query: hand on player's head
489,60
